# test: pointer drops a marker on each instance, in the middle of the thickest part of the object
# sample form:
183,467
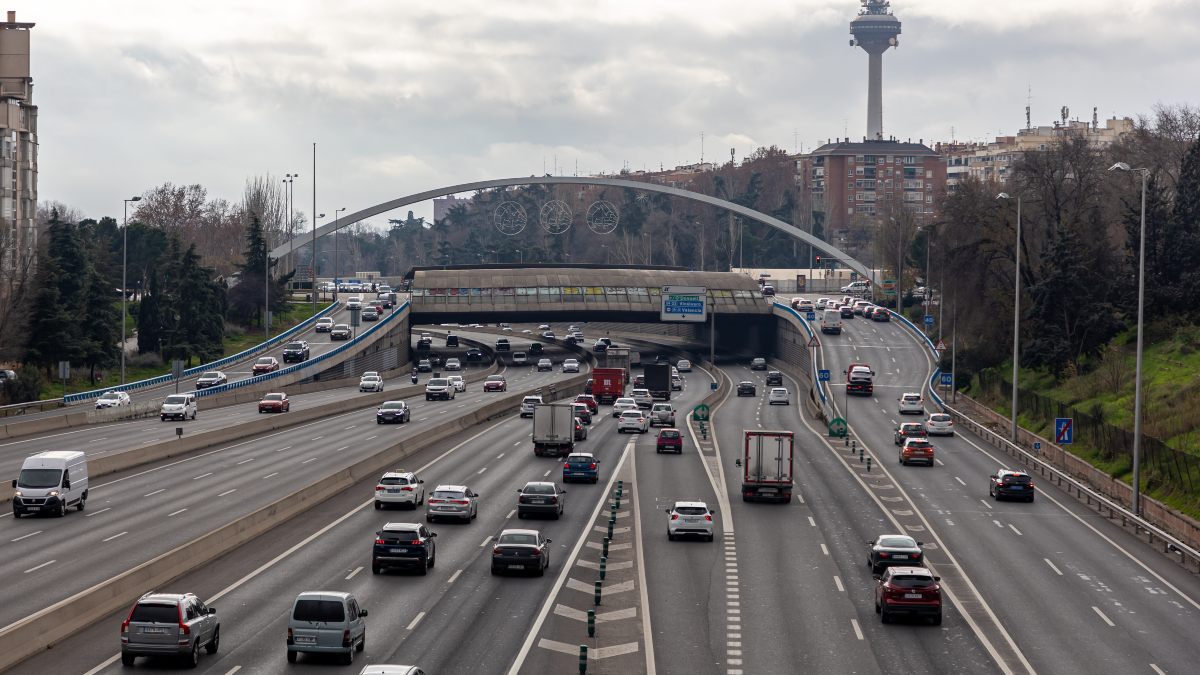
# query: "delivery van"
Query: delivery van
51,482
831,322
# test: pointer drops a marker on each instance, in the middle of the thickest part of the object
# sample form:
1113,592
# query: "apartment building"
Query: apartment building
18,148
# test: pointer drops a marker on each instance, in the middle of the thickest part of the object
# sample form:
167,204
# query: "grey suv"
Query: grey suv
169,624
452,501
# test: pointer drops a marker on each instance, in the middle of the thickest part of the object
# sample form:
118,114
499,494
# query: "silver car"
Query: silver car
326,622
452,501
169,624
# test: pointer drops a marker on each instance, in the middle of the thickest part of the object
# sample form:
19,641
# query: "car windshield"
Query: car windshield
393,480
448,494
176,400
393,405
580,459
265,361
211,375
514,539
151,613
342,326
328,611
939,417
539,489
691,510
273,397
439,382
668,433
370,377
625,401
779,391
495,378
294,345
897,542
911,428
911,580
631,414
918,443
911,398
1011,478
110,396
39,478
530,400
403,535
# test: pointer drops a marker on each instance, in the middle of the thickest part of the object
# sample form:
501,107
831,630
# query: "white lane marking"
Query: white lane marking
96,513
485,541
1014,529
371,438
481,470
286,447
986,504
547,473
510,514
1157,669
233,670
997,523
454,576
310,459
838,581
154,493
203,475
270,475
34,569
350,427
857,629
939,462
317,438
960,481
356,571
175,513
413,624
341,448
1101,615
1056,570
500,456
227,492
824,549
245,461
647,636
26,536
122,534
516,444
811,522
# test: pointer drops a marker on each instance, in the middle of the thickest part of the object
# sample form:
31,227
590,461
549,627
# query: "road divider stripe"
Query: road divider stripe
1105,618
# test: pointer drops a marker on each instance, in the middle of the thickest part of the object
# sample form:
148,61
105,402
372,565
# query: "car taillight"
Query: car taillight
346,638
431,500
537,551
379,488
567,465
460,502
380,541
708,517
290,636
884,554
554,500
592,466
415,542
125,626
674,516
407,488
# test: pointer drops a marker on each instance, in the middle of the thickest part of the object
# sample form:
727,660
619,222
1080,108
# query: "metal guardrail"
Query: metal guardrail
1188,557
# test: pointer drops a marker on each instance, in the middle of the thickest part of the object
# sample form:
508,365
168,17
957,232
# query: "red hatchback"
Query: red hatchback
669,440
908,591
265,364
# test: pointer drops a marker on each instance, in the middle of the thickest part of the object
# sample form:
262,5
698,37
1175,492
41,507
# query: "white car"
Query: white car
399,487
570,366
544,326
939,424
112,399
528,403
643,398
440,388
779,395
622,404
453,364
684,366
459,383
633,420
370,383
822,303
690,518
911,403
354,302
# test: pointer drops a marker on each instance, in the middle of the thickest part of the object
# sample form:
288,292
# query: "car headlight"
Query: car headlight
17,493
53,493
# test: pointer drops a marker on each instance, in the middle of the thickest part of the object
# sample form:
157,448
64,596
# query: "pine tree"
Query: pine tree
52,337
1184,240
99,325
246,298
149,319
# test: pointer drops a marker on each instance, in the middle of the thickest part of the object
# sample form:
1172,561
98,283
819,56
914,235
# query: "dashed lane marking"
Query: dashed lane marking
415,621
121,534
356,571
26,536
857,629
1056,570
1105,618
51,562
96,513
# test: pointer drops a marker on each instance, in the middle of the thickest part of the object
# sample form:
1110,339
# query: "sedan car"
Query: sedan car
746,389
297,351
113,399
393,412
324,324
893,549
846,312
369,313
403,545
581,430
212,378
424,366
940,424
541,498
459,383
684,366
495,383
399,487
452,501
906,430
340,331
370,383
544,364
881,314
264,365
1006,484
669,440
453,364
908,591
916,450
570,365
911,402
633,420
520,550
779,395
690,519
474,355
581,466
276,402
758,364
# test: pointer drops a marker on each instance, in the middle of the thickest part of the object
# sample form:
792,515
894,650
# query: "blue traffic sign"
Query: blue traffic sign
1037,445
823,375
1064,430
812,316
948,379
928,319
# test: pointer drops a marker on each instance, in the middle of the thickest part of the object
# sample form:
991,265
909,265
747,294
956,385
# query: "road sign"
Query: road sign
854,276
822,375
700,413
838,428
947,379
712,386
811,316
64,370
684,303
887,292
1064,430
888,283
814,342
940,345
177,368
928,319
1037,445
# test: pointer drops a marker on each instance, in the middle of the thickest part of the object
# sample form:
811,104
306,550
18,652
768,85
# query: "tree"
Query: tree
1184,239
200,330
52,336
246,299
150,317
100,325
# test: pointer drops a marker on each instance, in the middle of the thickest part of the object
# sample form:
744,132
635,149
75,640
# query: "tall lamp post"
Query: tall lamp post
1137,385
124,283
288,179
335,251
1016,315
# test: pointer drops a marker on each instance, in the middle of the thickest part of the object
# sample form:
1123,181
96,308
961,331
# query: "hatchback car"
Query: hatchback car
495,383
520,550
589,401
370,383
570,365
212,378
758,364
911,403
324,324
908,591
582,412
277,402
369,313
265,364
453,364
399,487
340,331
424,366
881,314
1005,484
643,398
528,404
774,378
404,545
113,399
779,395
169,624
393,412
906,430
296,351
541,498
581,430
474,355
669,440
639,381
452,501
690,519
893,549
543,364
916,450
633,420
940,424
581,466
846,312
459,383
746,389
624,404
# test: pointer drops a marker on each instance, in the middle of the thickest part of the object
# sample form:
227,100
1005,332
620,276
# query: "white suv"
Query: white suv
370,382
632,420
911,403
570,365
399,487
939,424
779,395
690,518
623,404
528,403
643,398
354,302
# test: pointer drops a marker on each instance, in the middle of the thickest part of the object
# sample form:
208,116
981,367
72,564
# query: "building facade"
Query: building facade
18,148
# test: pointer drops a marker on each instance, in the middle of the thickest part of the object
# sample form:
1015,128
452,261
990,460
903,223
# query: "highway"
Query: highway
135,515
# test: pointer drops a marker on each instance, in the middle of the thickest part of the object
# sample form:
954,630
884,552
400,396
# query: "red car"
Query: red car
916,450
495,383
265,364
275,403
669,440
589,401
911,591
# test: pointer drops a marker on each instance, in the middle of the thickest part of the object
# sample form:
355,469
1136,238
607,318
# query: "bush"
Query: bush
147,360
26,387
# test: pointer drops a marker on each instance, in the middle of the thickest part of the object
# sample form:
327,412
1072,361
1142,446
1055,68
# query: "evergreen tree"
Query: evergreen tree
99,325
1184,240
52,335
202,308
1163,273
150,319
246,298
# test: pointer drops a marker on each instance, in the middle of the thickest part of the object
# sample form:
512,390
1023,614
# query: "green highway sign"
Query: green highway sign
700,413
838,428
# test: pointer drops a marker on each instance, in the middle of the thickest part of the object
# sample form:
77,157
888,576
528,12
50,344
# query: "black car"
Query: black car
424,344
881,314
599,347
520,550
451,340
474,355
541,498
536,348
408,545
758,364
893,549
393,411
774,378
340,332
502,345
295,351
587,387
424,366
746,389
847,312
1010,485
639,382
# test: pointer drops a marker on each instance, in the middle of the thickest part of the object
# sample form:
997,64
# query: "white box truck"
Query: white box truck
767,466
553,430
51,482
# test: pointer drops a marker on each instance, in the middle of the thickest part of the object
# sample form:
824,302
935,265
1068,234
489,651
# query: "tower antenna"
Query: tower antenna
1028,104
875,30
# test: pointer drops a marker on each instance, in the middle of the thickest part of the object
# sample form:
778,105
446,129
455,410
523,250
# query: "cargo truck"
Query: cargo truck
658,380
608,384
767,466
553,429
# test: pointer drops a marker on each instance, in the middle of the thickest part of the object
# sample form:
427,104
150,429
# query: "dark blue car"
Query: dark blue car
581,466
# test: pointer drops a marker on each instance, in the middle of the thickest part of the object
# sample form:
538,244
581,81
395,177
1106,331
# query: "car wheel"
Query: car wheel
937,618
520,516
128,659
424,569
16,514
348,657
379,421
62,508
877,606
378,505
291,656
362,644
670,537
428,518
1030,500
215,642
433,558
193,659
495,572
710,537
376,569
884,615
80,505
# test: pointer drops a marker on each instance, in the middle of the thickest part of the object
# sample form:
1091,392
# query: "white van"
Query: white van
831,322
178,406
51,482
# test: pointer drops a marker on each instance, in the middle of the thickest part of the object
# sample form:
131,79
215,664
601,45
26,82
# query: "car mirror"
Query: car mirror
937,578
433,534
562,492
667,510
14,483
876,577
547,541
212,610
421,481
920,543
870,543
66,485
362,612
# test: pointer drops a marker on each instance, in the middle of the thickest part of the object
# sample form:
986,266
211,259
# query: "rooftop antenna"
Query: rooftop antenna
1066,112
1095,118
732,152
701,147
1028,103
951,134
795,140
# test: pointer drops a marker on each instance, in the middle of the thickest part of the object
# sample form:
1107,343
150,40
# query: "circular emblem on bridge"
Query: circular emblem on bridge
556,216
511,218
602,217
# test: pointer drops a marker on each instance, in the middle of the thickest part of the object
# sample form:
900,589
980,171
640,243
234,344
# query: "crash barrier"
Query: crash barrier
809,367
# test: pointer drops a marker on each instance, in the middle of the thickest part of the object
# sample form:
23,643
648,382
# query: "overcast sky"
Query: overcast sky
405,96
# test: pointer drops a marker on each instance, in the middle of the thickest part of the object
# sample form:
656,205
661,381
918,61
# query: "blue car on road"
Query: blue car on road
581,466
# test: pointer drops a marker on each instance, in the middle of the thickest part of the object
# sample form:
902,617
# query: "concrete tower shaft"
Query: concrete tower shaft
875,30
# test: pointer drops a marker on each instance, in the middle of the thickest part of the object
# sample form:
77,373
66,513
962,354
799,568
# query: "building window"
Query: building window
850,172
858,158
929,173
849,199
869,159
929,199
850,211
910,160
849,186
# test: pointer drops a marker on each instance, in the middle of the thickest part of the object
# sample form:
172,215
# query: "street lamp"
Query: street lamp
335,251
314,260
1016,315
1137,385
124,283
522,255
288,179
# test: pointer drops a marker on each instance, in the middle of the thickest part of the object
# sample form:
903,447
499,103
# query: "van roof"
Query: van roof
60,455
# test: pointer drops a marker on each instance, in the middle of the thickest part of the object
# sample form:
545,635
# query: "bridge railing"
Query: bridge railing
821,390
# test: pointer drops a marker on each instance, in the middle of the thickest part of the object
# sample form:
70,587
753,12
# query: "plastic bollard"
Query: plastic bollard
605,553
868,465
591,623
583,658
860,454
599,584
603,567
